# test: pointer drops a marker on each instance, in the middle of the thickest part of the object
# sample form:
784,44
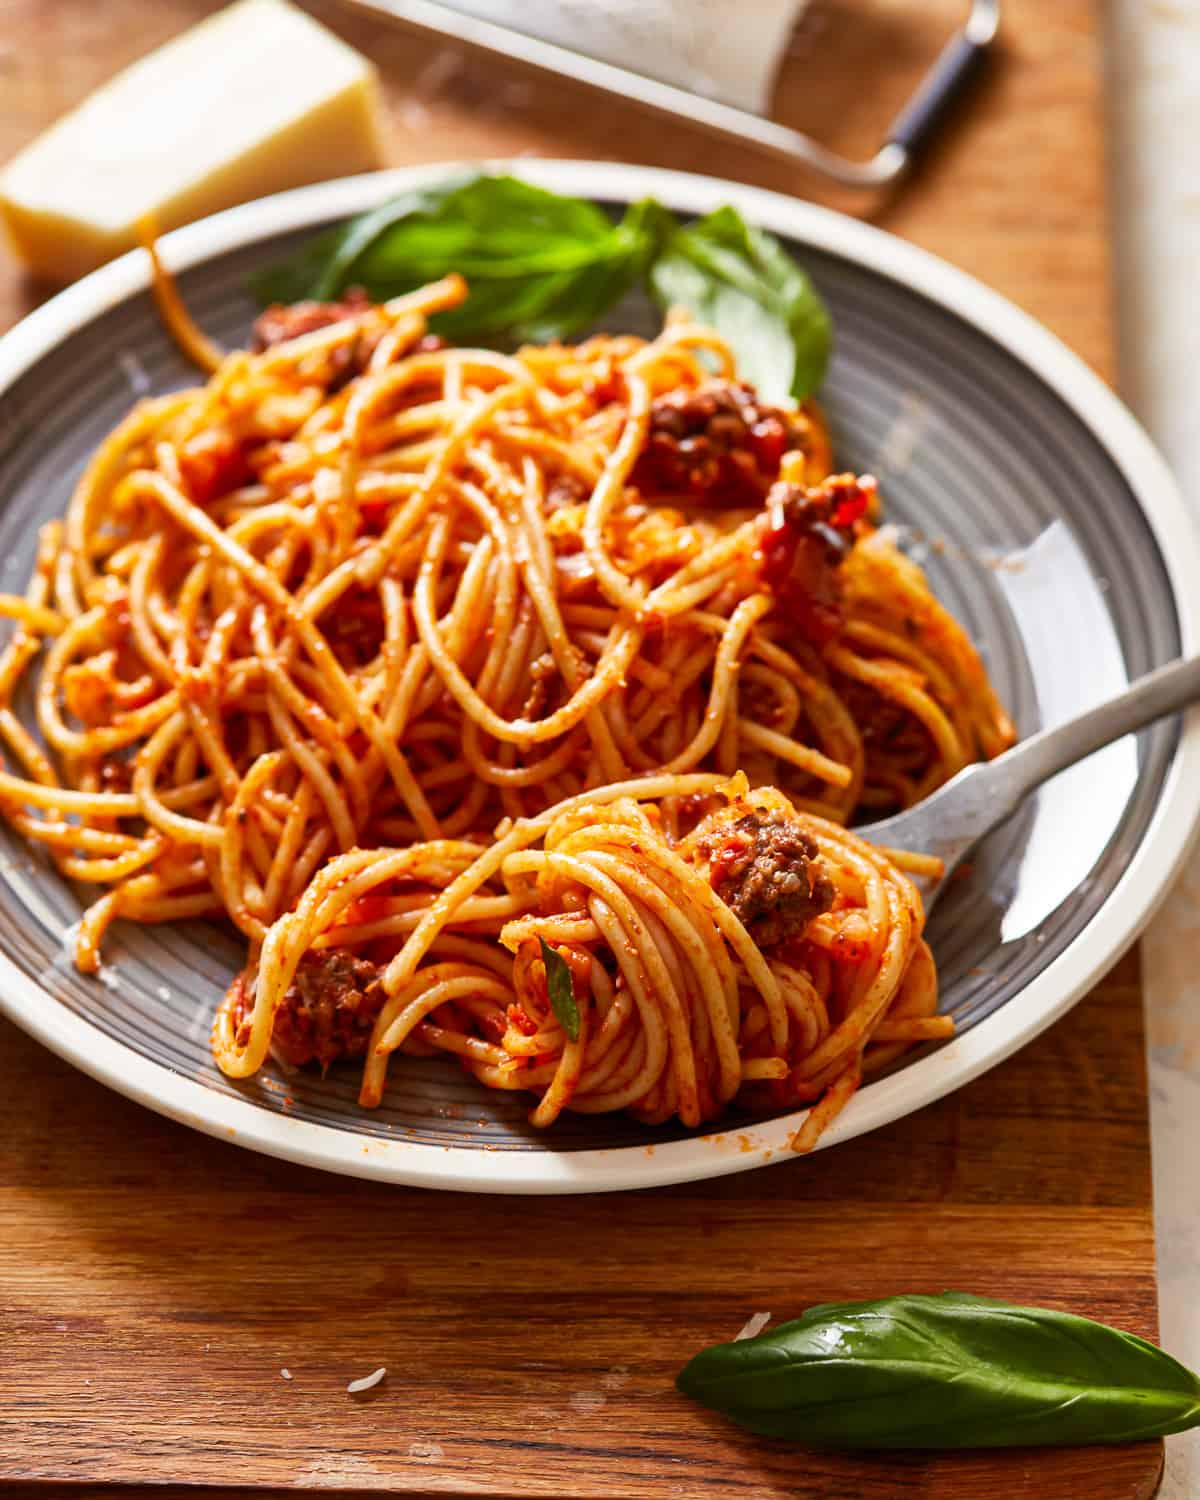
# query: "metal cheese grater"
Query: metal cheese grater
954,67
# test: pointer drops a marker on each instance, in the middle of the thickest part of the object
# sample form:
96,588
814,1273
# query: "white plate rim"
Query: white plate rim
1049,994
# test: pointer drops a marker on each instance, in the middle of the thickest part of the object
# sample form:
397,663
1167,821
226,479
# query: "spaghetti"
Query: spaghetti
408,659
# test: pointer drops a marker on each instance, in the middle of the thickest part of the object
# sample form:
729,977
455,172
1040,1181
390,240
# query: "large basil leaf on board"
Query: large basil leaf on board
948,1371
743,283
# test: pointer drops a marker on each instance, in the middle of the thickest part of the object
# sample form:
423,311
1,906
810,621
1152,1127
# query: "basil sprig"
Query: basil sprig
541,266
948,1371
562,990
742,282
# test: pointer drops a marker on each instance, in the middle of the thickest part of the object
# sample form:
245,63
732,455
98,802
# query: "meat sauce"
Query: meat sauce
718,445
328,1010
806,536
885,726
284,321
766,870
218,460
355,627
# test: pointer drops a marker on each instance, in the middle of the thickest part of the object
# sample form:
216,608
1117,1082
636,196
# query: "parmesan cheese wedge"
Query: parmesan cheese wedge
256,99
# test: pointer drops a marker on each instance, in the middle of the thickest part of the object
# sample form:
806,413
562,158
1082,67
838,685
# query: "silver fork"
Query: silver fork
951,821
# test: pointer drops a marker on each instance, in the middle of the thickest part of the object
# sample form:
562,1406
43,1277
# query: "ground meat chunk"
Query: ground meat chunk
283,321
807,533
717,445
354,627
764,867
327,1012
884,724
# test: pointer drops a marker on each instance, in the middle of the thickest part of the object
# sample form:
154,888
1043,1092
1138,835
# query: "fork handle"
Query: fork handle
1165,690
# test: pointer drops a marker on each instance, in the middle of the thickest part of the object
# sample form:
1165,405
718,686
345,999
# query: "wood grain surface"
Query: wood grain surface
154,1284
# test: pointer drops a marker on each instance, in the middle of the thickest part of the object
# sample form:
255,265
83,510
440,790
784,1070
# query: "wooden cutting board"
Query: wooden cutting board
154,1284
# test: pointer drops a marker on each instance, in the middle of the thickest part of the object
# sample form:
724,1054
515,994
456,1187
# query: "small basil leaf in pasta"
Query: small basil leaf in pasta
562,990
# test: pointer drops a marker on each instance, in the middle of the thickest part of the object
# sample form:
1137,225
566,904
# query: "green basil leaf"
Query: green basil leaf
562,991
949,1371
538,265
743,283
297,277
541,266
324,265
581,300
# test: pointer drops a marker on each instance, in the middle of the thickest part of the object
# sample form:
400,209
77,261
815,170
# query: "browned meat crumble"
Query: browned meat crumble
327,1012
716,445
807,535
283,321
764,867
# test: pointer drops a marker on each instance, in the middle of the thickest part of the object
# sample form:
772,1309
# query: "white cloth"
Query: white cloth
728,49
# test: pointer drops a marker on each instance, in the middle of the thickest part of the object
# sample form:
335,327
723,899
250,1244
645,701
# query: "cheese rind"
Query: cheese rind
256,99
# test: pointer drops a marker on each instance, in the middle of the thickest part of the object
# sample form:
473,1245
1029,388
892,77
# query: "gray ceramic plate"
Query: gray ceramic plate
1044,517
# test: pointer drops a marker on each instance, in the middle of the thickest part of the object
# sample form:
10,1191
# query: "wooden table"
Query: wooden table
154,1284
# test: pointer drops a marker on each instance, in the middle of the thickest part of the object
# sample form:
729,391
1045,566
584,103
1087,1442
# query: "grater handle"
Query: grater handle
957,65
